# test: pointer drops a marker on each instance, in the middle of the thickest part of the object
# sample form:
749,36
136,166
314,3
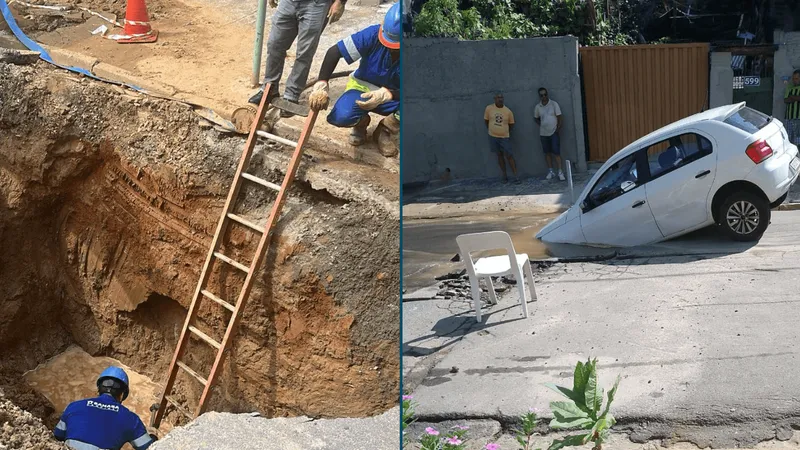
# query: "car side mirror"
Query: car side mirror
586,204
627,186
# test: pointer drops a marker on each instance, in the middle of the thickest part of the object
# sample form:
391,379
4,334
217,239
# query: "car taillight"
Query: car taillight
758,151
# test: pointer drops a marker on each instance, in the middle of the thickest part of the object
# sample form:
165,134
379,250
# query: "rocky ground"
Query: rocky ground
22,430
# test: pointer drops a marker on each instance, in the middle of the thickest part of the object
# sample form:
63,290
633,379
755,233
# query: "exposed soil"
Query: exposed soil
108,202
204,53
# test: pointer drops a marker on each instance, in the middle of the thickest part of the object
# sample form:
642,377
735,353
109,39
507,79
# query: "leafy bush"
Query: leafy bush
508,19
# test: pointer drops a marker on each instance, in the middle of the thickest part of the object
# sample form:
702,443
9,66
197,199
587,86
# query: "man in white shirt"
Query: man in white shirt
548,117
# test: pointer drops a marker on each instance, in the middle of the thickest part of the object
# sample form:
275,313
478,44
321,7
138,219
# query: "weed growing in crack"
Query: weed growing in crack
524,434
584,410
408,417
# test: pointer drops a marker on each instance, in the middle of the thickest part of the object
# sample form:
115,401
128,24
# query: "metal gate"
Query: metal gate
630,91
753,77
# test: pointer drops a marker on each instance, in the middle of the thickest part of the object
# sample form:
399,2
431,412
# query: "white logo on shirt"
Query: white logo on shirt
102,406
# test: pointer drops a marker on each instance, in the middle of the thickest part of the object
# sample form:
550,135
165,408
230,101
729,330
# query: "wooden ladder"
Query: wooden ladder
215,253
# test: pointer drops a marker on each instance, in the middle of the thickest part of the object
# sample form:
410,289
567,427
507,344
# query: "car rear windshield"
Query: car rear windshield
748,119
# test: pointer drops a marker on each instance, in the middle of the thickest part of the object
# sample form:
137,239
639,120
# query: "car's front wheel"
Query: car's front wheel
744,216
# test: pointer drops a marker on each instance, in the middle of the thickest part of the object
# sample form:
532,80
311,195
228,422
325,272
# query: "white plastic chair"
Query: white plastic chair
494,266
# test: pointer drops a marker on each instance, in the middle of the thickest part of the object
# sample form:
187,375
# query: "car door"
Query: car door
682,170
615,212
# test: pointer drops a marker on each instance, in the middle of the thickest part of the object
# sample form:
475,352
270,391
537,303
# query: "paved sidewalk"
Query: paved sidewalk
437,200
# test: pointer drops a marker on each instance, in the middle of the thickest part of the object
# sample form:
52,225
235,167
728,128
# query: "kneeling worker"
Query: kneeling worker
102,422
373,87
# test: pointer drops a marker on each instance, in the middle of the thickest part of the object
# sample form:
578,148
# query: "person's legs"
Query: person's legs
547,148
347,114
555,148
495,147
311,16
505,145
283,30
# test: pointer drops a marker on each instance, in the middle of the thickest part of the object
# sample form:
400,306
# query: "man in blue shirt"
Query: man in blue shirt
102,422
373,87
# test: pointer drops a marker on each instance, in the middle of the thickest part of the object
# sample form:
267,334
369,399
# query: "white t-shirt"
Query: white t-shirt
547,113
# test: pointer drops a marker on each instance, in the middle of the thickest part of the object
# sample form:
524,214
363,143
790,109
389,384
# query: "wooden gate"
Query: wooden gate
630,91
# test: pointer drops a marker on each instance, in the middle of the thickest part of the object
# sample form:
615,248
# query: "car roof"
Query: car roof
718,113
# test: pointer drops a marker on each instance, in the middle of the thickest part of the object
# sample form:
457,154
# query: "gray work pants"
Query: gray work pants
301,19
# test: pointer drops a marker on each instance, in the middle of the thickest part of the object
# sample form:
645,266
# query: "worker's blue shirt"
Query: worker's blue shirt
376,65
101,423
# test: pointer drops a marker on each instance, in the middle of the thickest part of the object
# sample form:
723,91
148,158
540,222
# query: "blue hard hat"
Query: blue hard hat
118,374
391,28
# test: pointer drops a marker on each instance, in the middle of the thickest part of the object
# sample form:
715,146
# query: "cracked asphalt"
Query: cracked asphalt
703,332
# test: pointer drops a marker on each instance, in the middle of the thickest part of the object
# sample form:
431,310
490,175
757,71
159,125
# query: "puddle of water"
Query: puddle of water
428,245
72,375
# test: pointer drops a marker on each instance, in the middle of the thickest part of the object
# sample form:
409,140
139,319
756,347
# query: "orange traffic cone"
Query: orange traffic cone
137,25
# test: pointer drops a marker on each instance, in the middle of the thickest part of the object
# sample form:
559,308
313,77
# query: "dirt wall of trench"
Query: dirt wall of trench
108,202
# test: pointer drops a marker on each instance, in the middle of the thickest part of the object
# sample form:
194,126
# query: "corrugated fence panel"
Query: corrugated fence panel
633,90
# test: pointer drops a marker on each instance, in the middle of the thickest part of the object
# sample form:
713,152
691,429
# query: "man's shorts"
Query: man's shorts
500,145
793,130
551,144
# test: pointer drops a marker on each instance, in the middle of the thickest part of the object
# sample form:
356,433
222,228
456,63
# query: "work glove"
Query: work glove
336,11
273,3
318,99
372,99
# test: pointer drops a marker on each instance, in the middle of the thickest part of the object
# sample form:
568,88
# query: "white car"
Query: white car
728,166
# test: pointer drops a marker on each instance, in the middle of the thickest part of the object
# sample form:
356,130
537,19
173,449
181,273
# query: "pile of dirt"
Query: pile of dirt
21,430
35,20
111,199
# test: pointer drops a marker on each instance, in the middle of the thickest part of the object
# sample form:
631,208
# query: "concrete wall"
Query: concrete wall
787,60
720,80
451,83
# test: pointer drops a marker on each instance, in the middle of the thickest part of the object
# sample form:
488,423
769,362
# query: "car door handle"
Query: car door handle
638,204
702,174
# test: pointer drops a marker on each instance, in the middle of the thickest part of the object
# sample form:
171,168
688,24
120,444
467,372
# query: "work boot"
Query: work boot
386,136
256,98
359,133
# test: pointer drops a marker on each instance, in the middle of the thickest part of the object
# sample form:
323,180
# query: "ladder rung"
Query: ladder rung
246,222
192,373
260,181
179,407
205,337
278,139
221,302
239,266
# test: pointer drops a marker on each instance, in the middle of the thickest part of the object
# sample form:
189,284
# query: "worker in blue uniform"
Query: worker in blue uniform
102,422
373,87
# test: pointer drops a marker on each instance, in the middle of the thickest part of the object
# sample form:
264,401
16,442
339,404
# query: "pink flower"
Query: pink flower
492,446
407,397
432,431
453,440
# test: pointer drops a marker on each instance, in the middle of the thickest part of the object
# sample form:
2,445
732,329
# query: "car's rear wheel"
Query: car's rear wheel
744,216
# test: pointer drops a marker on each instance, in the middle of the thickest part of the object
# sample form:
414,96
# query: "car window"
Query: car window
617,180
748,119
676,152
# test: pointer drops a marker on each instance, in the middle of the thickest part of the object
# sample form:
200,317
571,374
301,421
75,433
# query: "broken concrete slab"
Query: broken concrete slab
18,57
69,58
225,431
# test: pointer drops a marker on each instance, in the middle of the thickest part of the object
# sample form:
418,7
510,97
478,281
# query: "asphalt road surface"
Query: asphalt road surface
704,333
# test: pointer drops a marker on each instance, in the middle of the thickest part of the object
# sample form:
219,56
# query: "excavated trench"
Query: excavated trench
108,203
